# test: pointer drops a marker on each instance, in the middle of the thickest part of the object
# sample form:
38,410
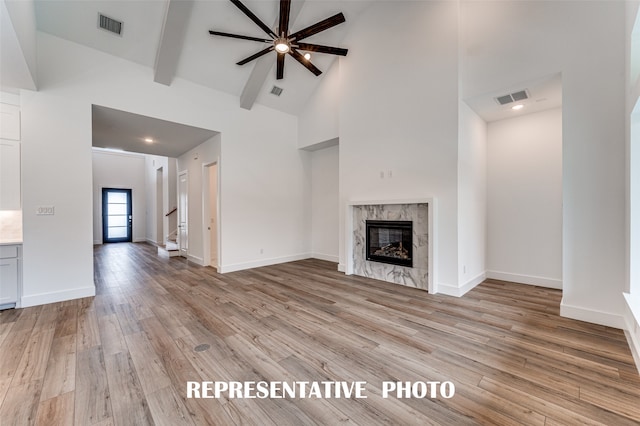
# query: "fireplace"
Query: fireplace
389,241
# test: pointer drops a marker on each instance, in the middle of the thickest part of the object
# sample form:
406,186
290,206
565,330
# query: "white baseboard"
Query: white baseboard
451,290
341,267
195,259
327,257
263,262
57,296
632,332
591,315
526,279
140,240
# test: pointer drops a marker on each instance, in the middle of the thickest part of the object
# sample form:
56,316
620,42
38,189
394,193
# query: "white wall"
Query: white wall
152,164
192,162
525,199
632,295
19,45
592,67
122,171
56,171
265,200
324,204
264,177
318,121
399,114
472,199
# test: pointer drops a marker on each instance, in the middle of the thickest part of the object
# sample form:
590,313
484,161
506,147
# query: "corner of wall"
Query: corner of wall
451,290
57,296
632,329
591,315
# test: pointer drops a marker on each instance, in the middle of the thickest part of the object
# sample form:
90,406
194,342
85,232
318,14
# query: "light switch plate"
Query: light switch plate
45,210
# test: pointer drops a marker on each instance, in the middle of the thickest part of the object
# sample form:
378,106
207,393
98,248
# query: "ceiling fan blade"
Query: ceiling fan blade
253,17
298,57
280,66
318,27
322,49
243,37
285,7
255,56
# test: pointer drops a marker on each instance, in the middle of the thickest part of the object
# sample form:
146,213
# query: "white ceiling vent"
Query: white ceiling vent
275,90
512,97
109,24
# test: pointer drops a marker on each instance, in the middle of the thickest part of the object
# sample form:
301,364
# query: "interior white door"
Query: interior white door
183,205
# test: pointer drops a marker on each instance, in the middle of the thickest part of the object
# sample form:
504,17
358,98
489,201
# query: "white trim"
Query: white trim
432,212
206,243
341,267
425,200
525,279
451,290
57,296
195,259
152,242
632,331
264,262
591,315
634,345
327,257
140,240
184,252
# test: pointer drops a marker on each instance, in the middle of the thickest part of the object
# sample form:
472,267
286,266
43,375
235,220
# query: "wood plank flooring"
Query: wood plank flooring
125,356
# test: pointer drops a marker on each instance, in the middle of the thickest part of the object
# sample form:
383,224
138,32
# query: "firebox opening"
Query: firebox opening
390,242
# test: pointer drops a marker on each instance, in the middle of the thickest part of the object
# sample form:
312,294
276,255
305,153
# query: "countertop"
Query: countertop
10,227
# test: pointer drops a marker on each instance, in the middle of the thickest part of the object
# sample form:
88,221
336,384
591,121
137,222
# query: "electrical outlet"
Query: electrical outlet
45,210
261,251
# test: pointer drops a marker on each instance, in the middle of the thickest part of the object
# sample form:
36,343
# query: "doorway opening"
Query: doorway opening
116,215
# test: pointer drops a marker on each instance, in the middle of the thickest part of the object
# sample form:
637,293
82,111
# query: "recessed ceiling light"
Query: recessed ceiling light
148,140
307,56
517,107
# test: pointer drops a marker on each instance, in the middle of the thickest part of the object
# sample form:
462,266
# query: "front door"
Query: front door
116,215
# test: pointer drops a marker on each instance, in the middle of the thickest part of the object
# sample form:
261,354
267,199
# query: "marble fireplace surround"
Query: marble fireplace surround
423,277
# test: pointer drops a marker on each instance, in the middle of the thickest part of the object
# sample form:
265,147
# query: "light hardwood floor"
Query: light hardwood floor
125,356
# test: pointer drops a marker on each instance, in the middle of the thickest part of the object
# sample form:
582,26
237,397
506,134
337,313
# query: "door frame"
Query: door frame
206,246
129,237
183,248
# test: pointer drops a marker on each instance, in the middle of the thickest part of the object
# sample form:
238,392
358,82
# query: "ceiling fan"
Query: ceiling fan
285,42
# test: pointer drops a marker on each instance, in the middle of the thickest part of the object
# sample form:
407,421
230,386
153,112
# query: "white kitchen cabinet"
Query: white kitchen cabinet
10,275
9,175
9,122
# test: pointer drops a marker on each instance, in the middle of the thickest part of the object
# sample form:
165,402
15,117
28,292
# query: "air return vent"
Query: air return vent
512,97
275,90
109,24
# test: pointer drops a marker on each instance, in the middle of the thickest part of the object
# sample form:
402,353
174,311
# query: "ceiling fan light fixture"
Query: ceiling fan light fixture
307,56
282,45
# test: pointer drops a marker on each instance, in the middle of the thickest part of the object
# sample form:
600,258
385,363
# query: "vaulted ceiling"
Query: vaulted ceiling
176,32
171,37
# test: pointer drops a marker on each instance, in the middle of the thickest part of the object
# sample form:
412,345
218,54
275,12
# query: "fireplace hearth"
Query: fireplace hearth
390,241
